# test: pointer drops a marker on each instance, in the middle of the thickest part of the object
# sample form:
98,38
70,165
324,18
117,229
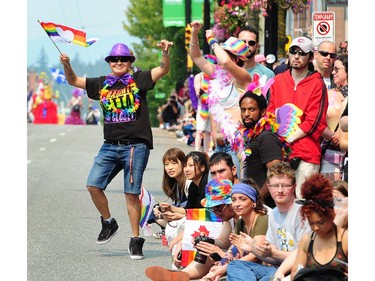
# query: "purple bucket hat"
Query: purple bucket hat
120,50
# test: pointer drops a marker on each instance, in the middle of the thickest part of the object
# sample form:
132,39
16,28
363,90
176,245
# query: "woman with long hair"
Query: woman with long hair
175,186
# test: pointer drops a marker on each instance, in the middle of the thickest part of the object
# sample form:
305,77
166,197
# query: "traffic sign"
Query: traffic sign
323,27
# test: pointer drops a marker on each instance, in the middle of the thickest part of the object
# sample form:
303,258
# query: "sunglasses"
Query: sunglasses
251,43
116,59
331,55
295,51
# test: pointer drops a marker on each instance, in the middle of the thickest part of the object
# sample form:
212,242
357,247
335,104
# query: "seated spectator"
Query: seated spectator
326,246
218,198
175,186
253,223
217,193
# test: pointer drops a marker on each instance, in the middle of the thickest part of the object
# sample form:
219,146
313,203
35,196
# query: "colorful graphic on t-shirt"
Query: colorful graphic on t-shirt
285,241
120,105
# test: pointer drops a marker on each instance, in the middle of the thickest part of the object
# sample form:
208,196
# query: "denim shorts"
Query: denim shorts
111,159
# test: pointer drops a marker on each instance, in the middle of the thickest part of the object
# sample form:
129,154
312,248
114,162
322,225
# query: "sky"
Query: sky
99,19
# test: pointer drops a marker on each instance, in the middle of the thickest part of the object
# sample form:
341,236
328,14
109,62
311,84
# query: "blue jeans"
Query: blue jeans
239,270
227,149
111,159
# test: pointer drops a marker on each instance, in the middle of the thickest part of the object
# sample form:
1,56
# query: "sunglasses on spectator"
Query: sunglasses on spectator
295,51
116,59
331,55
250,42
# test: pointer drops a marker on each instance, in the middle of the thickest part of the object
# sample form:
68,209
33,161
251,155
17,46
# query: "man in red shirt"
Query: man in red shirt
303,87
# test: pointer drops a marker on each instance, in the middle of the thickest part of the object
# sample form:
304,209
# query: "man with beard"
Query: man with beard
250,36
263,148
304,88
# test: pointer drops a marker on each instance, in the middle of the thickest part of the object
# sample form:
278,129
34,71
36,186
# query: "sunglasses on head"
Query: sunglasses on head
331,55
116,59
250,42
295,51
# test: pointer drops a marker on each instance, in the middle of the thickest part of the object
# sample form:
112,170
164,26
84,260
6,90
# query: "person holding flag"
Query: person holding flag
127,133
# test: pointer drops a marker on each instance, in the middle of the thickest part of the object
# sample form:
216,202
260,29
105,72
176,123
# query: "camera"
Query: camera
198,257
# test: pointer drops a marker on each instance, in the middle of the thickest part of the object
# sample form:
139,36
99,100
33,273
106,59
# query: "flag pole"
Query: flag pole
50,38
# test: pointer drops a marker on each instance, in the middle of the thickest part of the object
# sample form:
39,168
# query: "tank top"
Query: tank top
340,255
229,96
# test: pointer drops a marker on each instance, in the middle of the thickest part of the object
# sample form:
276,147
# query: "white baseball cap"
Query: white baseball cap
304,43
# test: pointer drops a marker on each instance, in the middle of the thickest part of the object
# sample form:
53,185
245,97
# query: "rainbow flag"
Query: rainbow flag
198,221
147,203
65,34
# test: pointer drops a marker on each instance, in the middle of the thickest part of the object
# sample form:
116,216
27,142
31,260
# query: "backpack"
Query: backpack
320,274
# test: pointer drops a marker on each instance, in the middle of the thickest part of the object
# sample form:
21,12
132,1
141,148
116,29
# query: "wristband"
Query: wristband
211,40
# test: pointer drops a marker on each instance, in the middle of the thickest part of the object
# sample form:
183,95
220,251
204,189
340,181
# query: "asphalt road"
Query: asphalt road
62,222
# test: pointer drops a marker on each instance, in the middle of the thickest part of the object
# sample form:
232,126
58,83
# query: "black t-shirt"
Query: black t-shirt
264,148
122,121
169,116
197,193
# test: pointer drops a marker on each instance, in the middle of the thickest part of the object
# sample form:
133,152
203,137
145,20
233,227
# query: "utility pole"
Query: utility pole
206,25
271,31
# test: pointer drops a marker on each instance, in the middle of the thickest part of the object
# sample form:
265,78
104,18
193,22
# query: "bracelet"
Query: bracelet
193,45
211,40
165,54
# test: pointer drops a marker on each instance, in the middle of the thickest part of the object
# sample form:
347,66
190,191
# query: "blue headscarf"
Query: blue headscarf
245,189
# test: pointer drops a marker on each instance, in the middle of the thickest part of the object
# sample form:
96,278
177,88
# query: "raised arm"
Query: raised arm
161,70
240,74
195,52
71,77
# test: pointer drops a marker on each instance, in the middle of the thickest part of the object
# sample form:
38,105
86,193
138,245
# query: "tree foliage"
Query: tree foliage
144,21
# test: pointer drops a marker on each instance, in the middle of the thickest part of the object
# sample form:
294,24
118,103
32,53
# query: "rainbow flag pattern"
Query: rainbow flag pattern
65,34
147,203
198,221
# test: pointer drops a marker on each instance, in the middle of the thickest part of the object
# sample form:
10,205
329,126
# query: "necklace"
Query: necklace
133,87
245,135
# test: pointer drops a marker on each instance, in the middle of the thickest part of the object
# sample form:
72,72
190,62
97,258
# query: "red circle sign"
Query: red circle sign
323,28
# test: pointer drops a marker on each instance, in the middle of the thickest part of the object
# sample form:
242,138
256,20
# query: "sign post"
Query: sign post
323,27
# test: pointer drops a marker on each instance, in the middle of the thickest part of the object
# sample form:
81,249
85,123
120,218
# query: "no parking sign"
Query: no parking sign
323,27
